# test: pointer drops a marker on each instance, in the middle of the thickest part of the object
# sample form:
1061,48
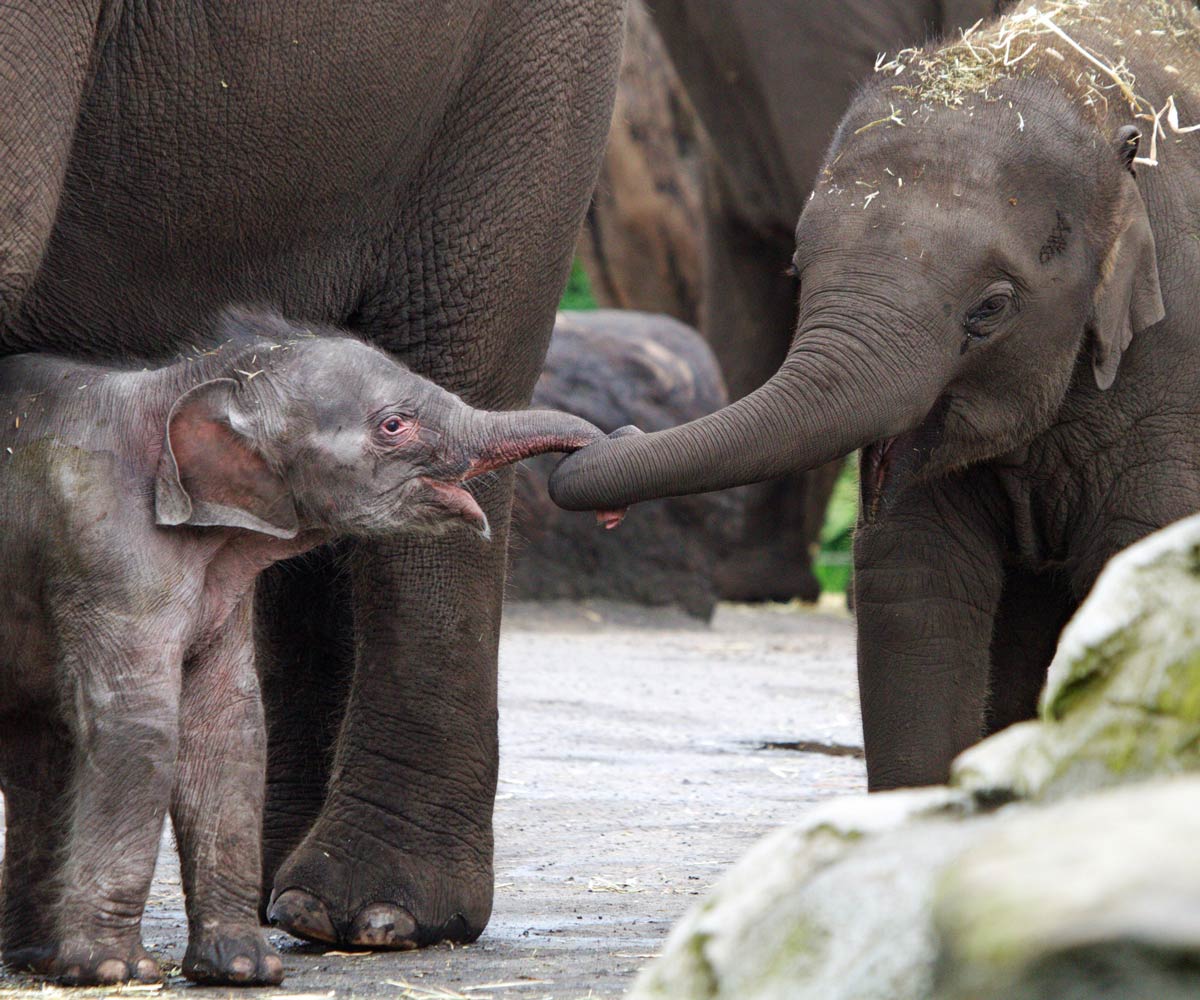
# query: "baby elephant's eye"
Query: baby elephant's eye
394,427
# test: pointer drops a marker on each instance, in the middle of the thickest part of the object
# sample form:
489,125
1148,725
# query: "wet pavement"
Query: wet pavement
642,753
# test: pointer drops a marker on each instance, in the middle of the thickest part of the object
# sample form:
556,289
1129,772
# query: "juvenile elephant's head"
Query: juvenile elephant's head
961,270
332,435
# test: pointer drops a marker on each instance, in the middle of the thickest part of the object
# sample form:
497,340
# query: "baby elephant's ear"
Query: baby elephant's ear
210,474
1128,299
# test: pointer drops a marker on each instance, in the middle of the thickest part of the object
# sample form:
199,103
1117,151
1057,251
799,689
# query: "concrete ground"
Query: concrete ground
642,753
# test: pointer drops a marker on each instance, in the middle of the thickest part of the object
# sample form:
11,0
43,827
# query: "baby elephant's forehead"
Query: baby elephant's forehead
342,363
334,353
344,379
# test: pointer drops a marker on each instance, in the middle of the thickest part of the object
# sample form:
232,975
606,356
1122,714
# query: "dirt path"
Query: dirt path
633,773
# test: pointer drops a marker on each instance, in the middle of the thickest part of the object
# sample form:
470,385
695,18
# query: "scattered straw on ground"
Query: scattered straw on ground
973,67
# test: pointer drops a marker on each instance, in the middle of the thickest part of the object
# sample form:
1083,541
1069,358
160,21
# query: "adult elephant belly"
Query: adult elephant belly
413,171
244,155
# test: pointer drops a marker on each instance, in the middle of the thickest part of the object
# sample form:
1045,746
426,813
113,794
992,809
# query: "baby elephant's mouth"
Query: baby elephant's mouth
455,501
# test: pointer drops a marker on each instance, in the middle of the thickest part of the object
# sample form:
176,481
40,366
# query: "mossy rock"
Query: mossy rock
1093,898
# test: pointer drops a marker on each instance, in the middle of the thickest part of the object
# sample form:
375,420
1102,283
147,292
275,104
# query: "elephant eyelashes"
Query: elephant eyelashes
981,320
991,307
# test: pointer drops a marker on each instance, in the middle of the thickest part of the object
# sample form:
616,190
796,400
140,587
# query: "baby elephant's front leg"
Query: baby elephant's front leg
217,811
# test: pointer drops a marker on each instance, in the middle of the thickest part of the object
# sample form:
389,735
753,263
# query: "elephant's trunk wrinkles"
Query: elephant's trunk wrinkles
832,395
500,439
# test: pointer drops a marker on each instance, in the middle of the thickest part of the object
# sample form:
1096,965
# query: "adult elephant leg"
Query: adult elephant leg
306,659
927,586
401,853
1034,608
748,318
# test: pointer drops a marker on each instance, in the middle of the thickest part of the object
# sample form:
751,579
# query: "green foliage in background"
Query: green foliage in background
579,292
834,560
837,537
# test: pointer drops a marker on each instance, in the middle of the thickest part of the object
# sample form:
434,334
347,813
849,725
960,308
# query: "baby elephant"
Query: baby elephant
138,508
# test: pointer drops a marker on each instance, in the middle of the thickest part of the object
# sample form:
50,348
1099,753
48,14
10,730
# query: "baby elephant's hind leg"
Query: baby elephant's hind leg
217,810
124,700
35,774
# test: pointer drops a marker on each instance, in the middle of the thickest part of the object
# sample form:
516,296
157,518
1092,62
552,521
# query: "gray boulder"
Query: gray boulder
1096,898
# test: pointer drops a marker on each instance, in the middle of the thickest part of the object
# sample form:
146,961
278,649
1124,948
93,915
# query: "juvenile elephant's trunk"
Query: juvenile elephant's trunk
500,439
833,394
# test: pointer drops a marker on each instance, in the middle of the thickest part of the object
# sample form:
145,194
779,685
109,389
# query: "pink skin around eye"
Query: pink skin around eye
396,429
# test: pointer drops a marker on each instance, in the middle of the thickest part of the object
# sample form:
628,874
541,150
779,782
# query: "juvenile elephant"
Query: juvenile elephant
980,311
769,80
127,675
415,172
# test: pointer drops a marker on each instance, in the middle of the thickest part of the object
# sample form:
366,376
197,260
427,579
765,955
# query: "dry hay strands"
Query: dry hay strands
983,56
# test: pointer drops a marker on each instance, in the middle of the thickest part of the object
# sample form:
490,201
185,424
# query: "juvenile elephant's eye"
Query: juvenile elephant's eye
990,307
989,310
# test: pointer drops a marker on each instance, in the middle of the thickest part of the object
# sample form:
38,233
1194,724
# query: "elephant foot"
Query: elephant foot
307,884
95,965
377,927
232,956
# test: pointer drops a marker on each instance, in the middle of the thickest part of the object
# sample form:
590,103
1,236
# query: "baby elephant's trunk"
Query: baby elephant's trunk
500,439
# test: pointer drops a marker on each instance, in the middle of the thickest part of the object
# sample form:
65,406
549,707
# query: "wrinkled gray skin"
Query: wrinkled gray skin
414,172
127,676
992,334
770,80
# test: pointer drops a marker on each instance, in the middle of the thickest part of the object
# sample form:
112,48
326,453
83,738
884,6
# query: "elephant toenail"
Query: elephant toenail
272,969
147,971
112,970
302,915
241,967
384,925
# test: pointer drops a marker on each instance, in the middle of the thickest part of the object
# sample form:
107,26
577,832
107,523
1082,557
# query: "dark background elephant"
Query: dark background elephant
613,368
414,172
985,268
699,222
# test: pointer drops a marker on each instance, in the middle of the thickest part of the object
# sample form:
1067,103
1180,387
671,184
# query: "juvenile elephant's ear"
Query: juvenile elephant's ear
1128,298
211,475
